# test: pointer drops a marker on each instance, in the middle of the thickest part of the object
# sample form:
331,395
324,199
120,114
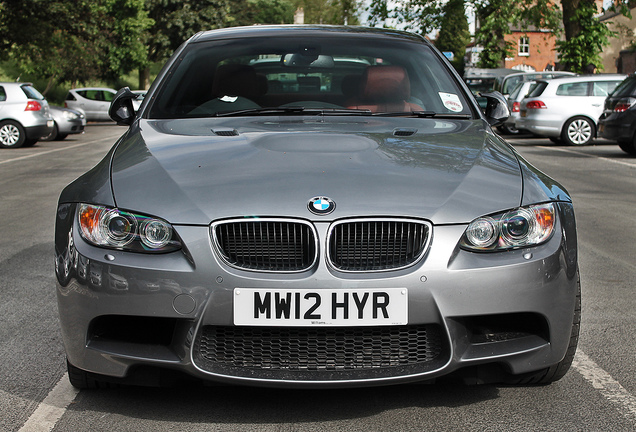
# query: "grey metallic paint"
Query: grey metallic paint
449,172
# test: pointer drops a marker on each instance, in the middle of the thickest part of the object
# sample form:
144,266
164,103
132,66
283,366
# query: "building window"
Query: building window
524,46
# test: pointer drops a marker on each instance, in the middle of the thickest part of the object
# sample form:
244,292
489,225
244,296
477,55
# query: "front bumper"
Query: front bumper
121,310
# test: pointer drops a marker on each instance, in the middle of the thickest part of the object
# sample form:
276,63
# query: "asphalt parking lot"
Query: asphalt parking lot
598,394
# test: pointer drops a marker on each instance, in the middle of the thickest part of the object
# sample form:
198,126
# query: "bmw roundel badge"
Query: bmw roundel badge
321,205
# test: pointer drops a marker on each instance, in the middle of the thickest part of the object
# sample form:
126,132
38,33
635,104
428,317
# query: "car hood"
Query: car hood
194,171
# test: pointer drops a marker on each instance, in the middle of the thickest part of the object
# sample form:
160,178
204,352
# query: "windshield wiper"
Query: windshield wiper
290,110
424,114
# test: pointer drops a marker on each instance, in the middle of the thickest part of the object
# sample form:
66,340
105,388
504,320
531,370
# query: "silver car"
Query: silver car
514,104
567,109
92,101
506,83
311,206
24,115
67,122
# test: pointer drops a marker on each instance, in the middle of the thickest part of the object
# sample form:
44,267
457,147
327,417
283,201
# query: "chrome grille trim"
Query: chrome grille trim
266,244
377,244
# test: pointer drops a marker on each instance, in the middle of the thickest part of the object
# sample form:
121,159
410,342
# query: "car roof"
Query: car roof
264,31
93,88
597,77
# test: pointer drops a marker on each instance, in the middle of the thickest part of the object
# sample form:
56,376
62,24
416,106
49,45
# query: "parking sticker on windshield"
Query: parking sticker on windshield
451,101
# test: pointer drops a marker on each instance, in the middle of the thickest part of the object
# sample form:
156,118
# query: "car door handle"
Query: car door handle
597,105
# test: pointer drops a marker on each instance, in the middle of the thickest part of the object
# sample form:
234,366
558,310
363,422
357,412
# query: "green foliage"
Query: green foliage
249,12
584,45
454,34
74,41
419,16
330,11
177,20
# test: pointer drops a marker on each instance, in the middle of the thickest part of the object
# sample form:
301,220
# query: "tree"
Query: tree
454,34
330,11
174,21
249,12
73,41
585,34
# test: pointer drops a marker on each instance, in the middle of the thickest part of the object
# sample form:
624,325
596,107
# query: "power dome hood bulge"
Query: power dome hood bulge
447,171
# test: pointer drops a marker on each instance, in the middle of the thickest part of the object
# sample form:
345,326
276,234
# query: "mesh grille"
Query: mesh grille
320,353
375,245
267,245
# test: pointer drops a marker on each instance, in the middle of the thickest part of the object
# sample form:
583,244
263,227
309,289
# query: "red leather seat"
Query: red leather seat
384,89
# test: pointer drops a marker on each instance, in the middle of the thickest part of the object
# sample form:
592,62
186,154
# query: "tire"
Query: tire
508,129
29,143
578,131
12,134
558,371
51,136
61,137
628,147
82,380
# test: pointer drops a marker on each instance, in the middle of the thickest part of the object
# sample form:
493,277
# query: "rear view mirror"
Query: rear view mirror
121,108
497,111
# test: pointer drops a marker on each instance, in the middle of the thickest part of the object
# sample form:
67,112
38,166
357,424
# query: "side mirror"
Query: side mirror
497,111
121,108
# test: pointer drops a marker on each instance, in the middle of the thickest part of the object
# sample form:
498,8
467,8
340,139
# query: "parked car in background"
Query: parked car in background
506,83
567,109
314,206
92,101
514,104
24,115
480,80
67,121
618,121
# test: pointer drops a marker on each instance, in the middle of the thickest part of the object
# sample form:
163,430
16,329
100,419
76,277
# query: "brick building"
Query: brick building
534,50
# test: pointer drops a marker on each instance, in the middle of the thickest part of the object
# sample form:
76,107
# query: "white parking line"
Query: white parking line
54,150
51,409
631,165
606,385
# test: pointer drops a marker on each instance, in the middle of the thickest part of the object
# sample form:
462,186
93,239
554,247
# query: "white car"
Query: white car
92,101
567,109
24,115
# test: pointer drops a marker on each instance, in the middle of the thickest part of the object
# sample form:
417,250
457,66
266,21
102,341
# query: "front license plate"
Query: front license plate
301,308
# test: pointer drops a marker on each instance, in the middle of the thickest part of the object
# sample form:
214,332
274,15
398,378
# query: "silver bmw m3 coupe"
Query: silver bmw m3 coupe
314,206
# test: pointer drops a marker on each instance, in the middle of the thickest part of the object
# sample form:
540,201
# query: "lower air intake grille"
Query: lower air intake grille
376,245
266,244
314,354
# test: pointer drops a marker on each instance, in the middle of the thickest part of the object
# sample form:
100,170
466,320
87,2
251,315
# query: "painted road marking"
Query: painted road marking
56,150
605,384
631,165
52,408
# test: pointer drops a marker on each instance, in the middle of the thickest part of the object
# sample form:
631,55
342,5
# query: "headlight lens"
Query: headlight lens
118,229
69,115
522,227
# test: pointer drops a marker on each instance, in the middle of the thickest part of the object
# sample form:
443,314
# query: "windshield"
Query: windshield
352,76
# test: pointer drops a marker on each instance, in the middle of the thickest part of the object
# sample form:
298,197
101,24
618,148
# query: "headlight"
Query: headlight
522,227
118,229
69,115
